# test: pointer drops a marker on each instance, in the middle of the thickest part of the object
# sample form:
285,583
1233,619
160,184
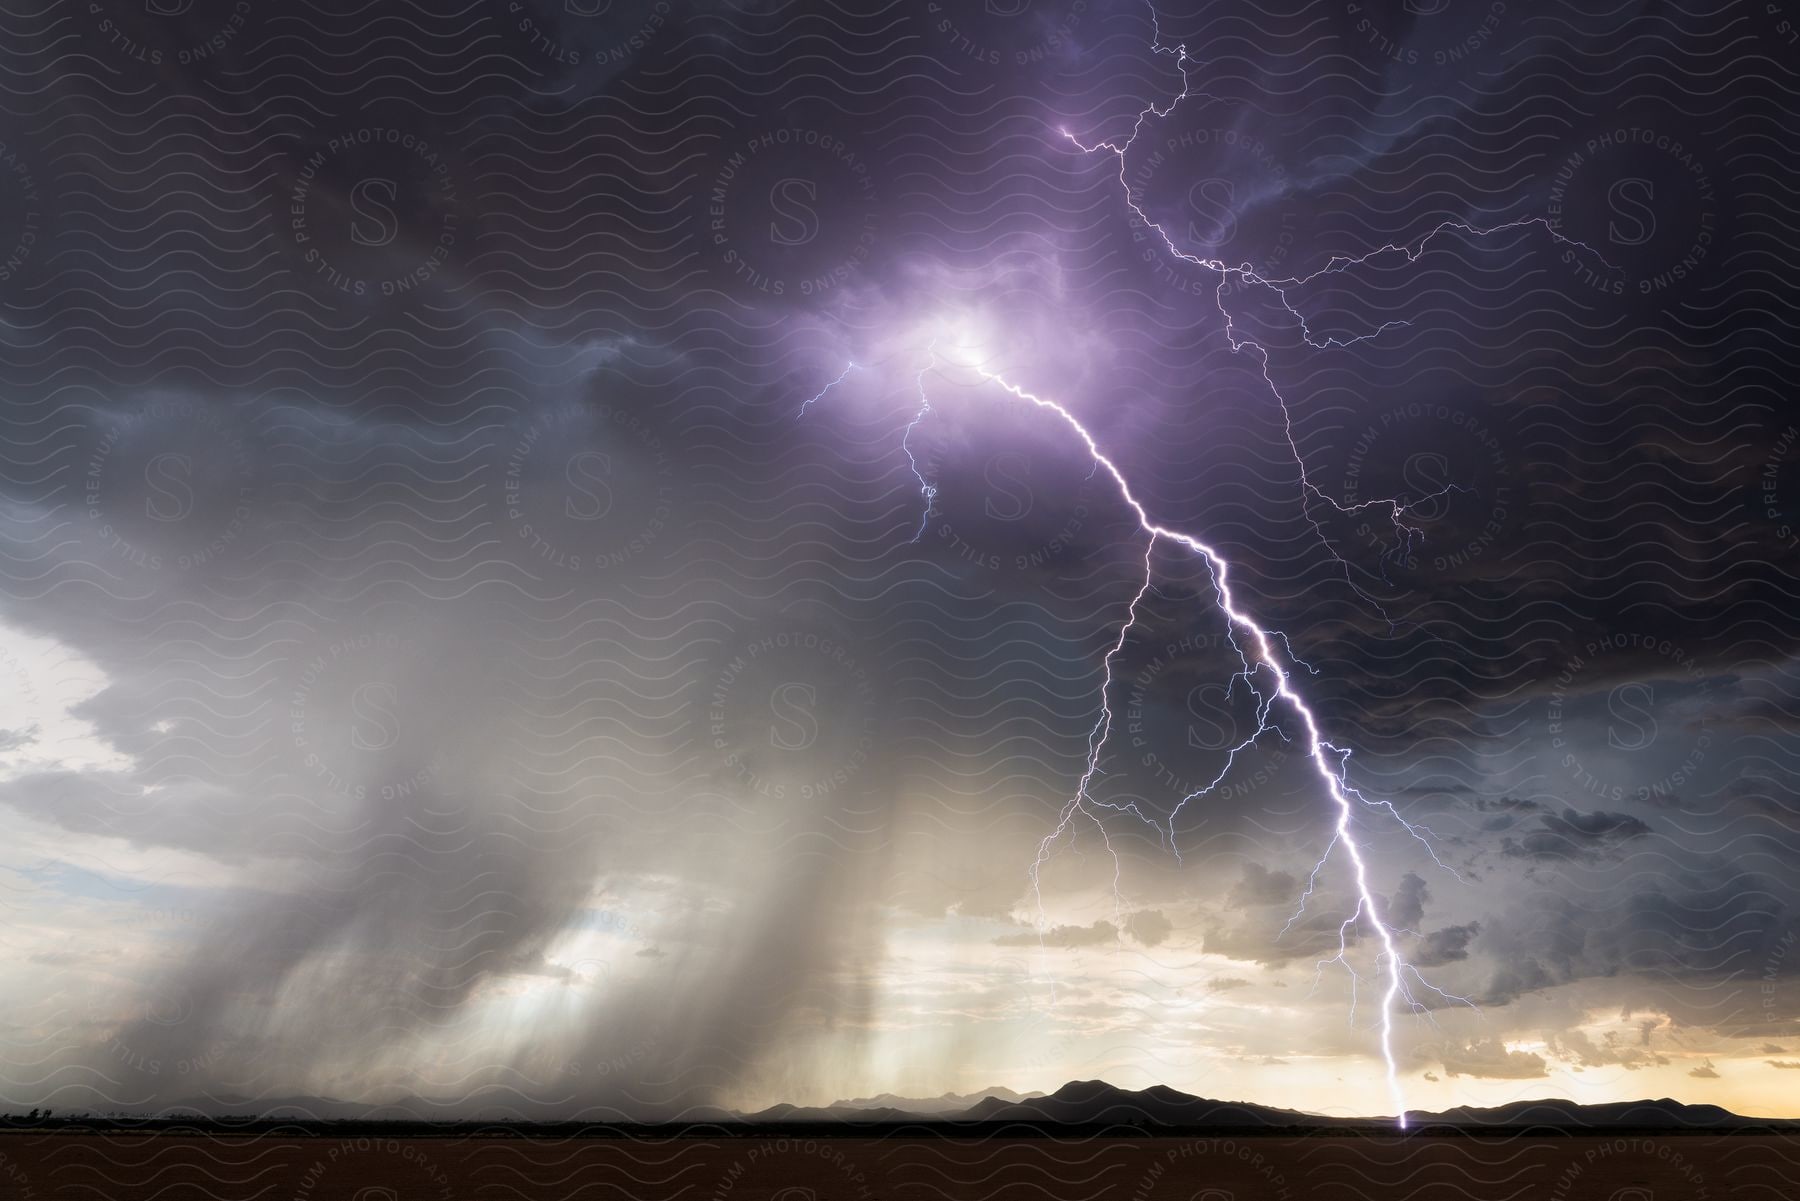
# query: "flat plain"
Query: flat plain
279,1166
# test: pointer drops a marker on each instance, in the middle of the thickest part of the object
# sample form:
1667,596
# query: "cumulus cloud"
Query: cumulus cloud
1577,1047
1490,1059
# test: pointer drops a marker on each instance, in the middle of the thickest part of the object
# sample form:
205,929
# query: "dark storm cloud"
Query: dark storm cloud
1574,835
1406,908
406,429
1692,932
1258,885
1448,945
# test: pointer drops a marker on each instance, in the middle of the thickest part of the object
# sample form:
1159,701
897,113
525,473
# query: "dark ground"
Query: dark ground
176,1167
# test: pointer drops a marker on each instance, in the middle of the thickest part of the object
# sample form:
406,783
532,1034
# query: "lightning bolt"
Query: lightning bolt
927,489
1268,672
1259,660
820,394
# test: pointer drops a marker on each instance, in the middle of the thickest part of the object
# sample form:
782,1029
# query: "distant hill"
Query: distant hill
1662,1113
948,1103
1095,1102
890,1108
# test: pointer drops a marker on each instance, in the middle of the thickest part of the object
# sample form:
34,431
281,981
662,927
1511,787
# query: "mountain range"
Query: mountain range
1088,1105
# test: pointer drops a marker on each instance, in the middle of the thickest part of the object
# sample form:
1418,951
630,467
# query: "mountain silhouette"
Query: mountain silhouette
1091,1103
1086,1104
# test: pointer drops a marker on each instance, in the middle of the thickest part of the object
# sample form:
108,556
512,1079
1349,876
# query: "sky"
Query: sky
522,593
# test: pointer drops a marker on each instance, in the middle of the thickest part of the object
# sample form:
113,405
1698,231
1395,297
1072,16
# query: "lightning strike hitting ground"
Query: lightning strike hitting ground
1260,662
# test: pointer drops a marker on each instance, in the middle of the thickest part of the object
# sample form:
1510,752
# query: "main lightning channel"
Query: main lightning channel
1258,657
1257,652
1262,644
